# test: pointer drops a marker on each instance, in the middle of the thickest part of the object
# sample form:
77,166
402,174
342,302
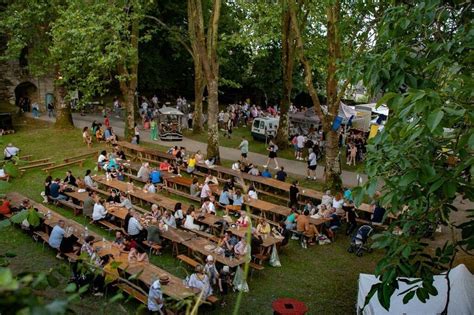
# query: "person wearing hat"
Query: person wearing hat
200,281
211,270
10,151
155,298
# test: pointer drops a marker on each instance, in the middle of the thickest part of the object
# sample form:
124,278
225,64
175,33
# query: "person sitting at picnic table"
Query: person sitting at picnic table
281,174
349,209
99,212
294,191
253,170
134,228
165,166
227,243
168,219
195,189
378,212
155,214
310,207
5,206
224,198
70,179
304,227
155,176
99,134
263,227
199,157
137,255
282,233
290,220
129,243
88,204
205,191
348,194
178,214
256,240
144,171
208,207
211,179
241,249
189,221
119,152
56,189
90,251
211,270
266,173
102,159
237,202
114,197
333,225
125,202
244,220
252,193
149,187
327,199
200,281
88,181
86,136
119,240
236,166
155,299
191,164
57,236
10,151
337,204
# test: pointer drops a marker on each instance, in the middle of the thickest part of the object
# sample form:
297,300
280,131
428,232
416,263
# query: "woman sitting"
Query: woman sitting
155,214
191,164
137,255
252,193
178,214
195,189
87,137
199,280
241,249
244,220
189,222
149,187
263,228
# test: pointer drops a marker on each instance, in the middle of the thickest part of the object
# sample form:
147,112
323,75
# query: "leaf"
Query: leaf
71,288
407,179
384,99
408,296
19,217
434,119
4,223
406,251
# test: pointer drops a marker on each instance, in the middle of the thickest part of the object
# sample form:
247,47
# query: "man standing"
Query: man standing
312,164
299,147
244,148
155,298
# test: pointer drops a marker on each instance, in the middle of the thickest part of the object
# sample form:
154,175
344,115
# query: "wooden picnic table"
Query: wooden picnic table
79,196
203,246
143,152
147,272
268,241
136,192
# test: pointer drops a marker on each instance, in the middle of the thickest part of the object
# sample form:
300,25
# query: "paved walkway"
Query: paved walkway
291,166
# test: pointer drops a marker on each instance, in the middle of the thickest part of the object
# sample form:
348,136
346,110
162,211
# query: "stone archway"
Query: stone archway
26,93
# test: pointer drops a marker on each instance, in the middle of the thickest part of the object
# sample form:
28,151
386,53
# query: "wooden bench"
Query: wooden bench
108,225
42,235
154,248
25,157
68,204
212,299
100,191
136,178
78,157
39,161
188,260
140,209
49,169
133,292
256,266
72,257
23,169
181,193
206,235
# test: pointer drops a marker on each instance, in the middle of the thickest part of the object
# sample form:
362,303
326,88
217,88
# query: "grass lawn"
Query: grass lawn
260,146
324,277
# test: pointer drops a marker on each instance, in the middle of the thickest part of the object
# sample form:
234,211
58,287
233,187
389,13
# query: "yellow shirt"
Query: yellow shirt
263,228
192,162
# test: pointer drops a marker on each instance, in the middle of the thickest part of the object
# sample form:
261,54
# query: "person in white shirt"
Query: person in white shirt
208,207
327,199
205,191
10,151
253,170
125,202
168,219
88,181
134,227
149,187
300,140
99,212
312,164
252,193
144,171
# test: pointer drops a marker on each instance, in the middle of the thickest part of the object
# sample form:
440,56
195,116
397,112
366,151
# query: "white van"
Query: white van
264,127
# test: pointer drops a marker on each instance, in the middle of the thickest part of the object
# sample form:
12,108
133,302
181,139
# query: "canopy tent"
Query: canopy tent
461,298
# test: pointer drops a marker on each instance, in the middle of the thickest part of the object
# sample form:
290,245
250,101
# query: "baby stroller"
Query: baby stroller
359,241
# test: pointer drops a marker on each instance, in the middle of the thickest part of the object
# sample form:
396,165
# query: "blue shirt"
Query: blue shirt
267,174
153,295
56,237
224,198
54,190
107,133
348,194
155,177
238,201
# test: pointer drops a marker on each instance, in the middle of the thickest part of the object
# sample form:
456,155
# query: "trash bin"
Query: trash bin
287,306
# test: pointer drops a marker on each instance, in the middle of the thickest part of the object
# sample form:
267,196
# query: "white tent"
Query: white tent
461,300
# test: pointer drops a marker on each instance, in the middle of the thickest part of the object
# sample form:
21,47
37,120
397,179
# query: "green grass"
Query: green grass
324,277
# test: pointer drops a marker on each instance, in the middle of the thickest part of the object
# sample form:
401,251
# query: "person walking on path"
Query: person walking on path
244,148
154,130
137,133
312,164
272,154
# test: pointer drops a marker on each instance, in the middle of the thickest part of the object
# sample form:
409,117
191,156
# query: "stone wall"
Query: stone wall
11,75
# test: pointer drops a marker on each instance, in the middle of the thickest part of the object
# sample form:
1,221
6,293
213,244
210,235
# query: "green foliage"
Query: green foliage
422,62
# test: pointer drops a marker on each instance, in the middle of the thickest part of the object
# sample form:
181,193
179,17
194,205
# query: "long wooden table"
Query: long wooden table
143,152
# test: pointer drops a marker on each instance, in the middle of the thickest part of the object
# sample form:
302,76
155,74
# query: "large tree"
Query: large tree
206,45
422,61
327,43
27,25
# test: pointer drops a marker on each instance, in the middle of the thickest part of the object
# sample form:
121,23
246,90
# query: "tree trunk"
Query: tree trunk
212,127
288,60
332,171
63,108
199,86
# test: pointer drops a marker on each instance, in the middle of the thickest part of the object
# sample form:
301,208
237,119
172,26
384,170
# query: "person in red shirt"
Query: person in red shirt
106,121
5,206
